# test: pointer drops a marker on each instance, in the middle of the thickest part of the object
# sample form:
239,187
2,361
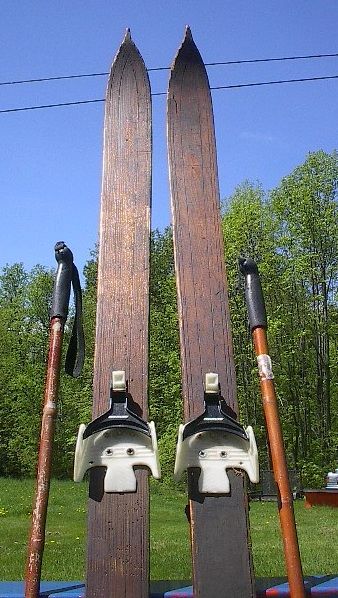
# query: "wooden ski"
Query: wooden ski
118,524
221,556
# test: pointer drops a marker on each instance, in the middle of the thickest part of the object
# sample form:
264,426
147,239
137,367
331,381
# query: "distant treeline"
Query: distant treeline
292,233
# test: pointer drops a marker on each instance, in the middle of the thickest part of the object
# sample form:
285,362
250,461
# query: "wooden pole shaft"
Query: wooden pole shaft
280,470
37,534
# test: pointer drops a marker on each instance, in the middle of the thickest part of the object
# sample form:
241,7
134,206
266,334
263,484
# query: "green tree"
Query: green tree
164,359
248,232
306,210
293,235
23,336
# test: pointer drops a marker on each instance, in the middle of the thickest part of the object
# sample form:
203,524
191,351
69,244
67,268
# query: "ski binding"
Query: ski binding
118,440
215,442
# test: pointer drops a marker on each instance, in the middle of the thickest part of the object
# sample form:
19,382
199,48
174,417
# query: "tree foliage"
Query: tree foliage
292,233
306,212
164,359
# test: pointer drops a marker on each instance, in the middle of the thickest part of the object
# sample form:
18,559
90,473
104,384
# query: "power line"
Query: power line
261,83
280,59
165,68
162,93
59,78
26,108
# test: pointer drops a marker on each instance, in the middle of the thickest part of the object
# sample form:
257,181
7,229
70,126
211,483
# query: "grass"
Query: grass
64,555
65,537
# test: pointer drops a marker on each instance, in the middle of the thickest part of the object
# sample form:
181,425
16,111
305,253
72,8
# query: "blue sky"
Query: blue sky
50,160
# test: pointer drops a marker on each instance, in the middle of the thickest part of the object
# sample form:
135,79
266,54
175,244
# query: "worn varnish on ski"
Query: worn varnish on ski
221,555
118,534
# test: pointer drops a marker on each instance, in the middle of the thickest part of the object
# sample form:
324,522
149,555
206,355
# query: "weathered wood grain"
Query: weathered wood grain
117,558
219,529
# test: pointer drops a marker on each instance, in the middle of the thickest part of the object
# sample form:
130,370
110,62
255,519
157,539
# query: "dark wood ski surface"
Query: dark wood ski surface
219,528
118,527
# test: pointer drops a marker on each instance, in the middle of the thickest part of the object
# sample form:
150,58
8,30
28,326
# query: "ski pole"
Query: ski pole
66,275
258,324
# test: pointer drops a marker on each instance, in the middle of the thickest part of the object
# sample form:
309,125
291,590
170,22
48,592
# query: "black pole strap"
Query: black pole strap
67,274
76,348
253,293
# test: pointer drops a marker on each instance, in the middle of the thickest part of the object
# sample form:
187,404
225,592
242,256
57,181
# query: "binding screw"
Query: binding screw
109,452
130,451
223,454
201,454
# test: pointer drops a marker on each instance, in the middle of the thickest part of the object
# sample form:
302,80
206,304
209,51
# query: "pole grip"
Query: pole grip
63,280
253,293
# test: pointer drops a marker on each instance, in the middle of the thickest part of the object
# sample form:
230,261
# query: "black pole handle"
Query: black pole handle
253,293
63,280
66,276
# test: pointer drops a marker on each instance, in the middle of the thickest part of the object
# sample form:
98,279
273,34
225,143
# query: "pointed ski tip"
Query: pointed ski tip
187,42
127,37
187,33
